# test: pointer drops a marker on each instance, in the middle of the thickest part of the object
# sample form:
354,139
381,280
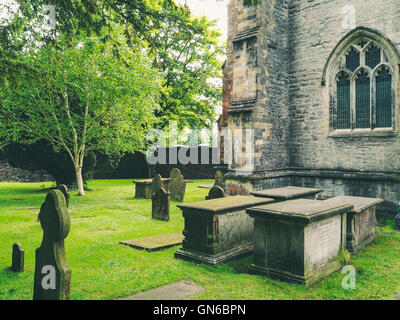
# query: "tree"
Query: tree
190,57
184,48
80,95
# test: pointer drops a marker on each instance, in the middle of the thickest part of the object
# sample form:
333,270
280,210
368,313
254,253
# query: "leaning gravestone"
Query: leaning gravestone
216,192
156,184
18,256
160,205
397,221
52,274
177,186
64,189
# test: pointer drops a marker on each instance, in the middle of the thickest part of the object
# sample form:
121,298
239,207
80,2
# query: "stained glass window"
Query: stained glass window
343,102
363,106
364,99
373,57
384,99
353,60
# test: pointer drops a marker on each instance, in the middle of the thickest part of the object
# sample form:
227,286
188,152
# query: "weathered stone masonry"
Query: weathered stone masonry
277,53
10,174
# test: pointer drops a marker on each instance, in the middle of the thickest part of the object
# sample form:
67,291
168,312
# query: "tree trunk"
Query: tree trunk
79,181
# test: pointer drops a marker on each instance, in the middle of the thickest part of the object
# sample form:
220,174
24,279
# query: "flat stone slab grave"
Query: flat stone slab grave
300,240
361,221
156,243
181,290
288,193
218,230
205,186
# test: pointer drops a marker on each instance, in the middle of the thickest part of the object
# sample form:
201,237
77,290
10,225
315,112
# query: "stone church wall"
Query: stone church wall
293,40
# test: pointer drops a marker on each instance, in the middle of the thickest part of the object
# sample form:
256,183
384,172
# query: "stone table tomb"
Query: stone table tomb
218,230
361,222
299,240
144,188
288,193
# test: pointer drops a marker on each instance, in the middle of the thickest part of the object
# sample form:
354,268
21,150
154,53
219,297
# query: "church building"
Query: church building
318,82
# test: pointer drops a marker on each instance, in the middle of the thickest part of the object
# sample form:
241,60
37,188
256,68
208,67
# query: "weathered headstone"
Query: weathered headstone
160,205
397,221
177,186
18,256
64,189
156,184
216,192
52,274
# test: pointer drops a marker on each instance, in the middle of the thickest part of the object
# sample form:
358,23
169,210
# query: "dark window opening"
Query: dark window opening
363,100
384,99
343,102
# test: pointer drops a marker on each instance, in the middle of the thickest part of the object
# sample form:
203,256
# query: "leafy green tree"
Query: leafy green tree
80,95
186,49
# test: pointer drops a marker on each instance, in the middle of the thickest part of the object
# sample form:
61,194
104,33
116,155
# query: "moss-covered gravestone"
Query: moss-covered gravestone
160,205
177,186
64,189
52,274
156,184
18,256
216,192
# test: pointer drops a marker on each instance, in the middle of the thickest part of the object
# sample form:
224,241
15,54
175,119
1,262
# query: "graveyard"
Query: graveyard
150,151
104,269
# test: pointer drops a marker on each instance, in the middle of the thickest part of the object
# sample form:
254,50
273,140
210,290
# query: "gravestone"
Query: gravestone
218,230
64,189
18,256
144,188
181,290
361,222
288,193
300,240
397,221
160,205
216,192
156,184
155,243
52,274
177,186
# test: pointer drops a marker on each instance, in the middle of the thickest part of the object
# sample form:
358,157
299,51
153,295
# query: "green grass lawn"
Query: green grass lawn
104,269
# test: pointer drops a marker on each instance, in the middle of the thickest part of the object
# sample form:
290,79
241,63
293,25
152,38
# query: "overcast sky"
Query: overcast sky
212,9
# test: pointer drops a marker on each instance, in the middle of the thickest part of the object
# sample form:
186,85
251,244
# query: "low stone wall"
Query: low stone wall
10,174
333,183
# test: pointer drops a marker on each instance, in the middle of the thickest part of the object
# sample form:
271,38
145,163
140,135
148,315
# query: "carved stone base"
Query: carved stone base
291,277
300,241
218,230
353,248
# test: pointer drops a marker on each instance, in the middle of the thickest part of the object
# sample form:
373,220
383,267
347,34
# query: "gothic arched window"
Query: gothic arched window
343,101
363,100
363,82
